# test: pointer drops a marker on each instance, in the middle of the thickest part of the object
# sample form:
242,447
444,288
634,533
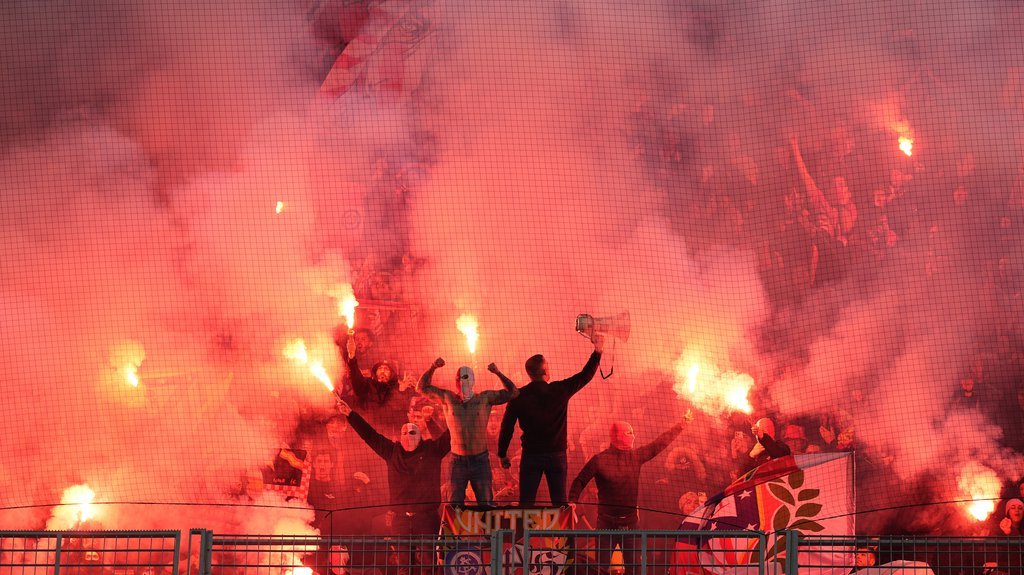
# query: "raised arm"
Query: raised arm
426,388
648,452
576,382
381,445
360,385
508,394
580,483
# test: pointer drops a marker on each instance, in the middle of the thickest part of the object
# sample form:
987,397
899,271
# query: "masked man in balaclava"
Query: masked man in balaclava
467,412
617,471
414,472
767,447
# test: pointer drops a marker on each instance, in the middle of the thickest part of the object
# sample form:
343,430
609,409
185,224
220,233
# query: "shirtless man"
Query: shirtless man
467,414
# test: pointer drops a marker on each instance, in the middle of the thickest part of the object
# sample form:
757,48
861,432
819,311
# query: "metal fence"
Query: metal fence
336,555
826,555
532,552
89,552
618,552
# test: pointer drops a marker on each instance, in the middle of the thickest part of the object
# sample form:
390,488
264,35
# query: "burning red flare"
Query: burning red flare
467,324
295,350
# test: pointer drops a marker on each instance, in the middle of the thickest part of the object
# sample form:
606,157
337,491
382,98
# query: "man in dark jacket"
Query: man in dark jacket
379,396
541,411
414,472
617,471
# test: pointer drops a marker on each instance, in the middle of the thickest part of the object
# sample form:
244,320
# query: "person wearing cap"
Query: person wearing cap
796,438
767,447
467,413
1010,524
414,472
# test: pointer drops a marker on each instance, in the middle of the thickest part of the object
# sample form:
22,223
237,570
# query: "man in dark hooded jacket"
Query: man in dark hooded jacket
379,396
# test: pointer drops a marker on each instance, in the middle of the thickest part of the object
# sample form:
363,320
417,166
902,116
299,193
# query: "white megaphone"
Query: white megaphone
616,326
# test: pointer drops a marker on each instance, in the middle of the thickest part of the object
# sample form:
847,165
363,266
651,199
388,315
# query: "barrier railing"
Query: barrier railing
340,555
89,552
645,552
535,552
828,555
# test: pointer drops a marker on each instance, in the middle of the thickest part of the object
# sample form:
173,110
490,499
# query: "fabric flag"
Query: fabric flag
389,52
812,494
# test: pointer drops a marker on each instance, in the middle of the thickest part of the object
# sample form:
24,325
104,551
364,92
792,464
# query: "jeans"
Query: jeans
551,465
472,470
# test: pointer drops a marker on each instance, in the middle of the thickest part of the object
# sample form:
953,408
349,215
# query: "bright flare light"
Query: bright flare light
467,325
318,371
347,308
907,145
126,358
691,378
295,350
279,208
712,391
982,485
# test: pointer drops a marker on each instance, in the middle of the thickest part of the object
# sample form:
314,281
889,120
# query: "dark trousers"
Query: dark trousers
412,552
532,467
472,470
629,545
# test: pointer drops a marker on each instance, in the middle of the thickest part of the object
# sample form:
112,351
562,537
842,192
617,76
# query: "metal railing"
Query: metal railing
89,552
533,552
620,552
346,555
832,555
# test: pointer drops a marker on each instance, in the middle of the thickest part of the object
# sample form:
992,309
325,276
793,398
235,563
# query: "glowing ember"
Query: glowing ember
300,571
126,359
131,374
279,208
982,485
710,390
295,350
907,145
467,325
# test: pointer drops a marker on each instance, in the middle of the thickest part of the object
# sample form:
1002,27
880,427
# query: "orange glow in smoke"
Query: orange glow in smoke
295,350
318,371
131,374
126,358
709,389
467,324
907,145
982,485
347,308
691,378
81,497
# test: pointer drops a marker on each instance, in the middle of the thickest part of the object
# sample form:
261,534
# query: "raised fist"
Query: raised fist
598,341
506,463
688,416
344,408
492,368
438,363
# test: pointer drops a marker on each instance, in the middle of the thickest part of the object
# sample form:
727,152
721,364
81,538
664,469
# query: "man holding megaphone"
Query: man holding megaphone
541,411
